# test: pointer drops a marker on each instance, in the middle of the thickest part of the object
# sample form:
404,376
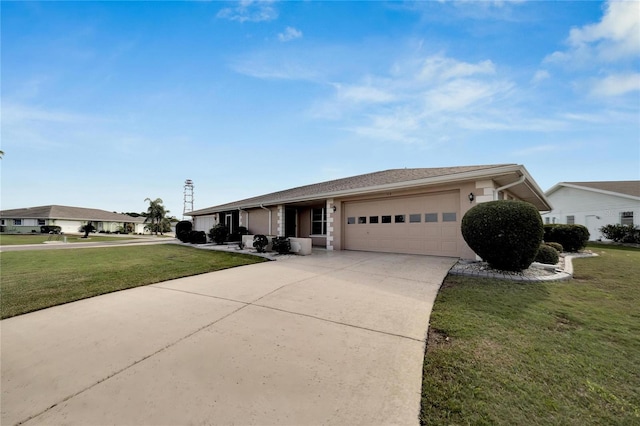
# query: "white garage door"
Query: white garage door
426,224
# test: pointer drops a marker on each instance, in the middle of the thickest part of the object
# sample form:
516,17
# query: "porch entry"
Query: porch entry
290,222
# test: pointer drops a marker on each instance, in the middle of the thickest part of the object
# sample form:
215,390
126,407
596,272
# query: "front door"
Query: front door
228,222
290,219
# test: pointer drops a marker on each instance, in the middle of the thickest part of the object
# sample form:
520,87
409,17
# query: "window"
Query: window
546,220
351,220
399,218
318,221
386,219
571,220
41,222
554,219
431,217
415,218
448,217
362,219
17,222
626,218
2,222
373,219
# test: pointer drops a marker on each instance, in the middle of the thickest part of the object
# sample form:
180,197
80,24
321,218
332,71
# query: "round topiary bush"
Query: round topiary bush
506,234
547,255
556,246
183,230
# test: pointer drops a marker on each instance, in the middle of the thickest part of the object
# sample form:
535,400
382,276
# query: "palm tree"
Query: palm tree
1,153
155,214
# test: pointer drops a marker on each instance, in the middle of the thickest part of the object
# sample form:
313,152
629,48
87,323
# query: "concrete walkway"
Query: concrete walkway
332,338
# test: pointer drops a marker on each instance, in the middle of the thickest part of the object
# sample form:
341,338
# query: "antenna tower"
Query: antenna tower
188,197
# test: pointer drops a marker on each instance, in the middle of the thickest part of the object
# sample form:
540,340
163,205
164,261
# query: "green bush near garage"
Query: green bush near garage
505,233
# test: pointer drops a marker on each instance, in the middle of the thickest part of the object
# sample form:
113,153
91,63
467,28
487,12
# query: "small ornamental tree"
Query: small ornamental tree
506,234
260,243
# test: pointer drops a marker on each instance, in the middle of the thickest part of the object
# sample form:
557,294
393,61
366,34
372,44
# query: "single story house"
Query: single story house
595,204
415,211
69,219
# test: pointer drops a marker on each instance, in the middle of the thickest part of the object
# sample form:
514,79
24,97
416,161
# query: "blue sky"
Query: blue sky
107,103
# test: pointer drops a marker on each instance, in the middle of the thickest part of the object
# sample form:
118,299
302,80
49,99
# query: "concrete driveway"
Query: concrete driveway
332,338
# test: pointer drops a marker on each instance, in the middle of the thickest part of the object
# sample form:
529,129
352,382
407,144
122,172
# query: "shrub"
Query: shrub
281,244
197,237
183,230
571,237
50,229
621,233
556,246
506,234
547,255
219,233
260,242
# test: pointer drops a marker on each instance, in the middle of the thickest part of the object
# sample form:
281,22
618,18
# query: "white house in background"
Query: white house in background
594,204
69,219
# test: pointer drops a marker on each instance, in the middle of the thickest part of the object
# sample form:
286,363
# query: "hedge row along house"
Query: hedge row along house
69,219
595,204
414,211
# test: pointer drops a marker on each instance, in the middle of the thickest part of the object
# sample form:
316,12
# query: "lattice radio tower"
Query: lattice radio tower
188,197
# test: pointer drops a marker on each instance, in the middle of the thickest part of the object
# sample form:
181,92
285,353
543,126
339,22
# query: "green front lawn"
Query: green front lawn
25,239
565,353
38,279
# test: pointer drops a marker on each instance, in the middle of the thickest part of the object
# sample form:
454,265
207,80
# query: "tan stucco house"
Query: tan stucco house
415,211
70,219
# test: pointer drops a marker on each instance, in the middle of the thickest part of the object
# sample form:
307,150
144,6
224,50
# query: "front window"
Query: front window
571,220
17,222
41,222
319,221
626,218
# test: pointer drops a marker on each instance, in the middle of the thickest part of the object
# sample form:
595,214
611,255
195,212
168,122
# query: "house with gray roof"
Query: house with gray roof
595,204
416,211
69,219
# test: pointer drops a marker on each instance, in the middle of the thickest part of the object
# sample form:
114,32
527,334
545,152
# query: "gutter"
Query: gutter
269,210
509,185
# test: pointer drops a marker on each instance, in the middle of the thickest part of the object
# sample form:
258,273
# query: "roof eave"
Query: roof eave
435,180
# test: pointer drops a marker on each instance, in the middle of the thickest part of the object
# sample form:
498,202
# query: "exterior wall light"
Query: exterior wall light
471,197
334,208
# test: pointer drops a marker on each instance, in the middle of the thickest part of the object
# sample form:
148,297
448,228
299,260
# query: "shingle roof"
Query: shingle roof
66,212
627,187
354,183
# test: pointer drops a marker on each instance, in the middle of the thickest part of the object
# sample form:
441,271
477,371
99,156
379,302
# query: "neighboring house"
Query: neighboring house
401,210
70,219
595,204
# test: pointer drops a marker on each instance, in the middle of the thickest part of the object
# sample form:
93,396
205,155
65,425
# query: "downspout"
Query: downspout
502,188
269,210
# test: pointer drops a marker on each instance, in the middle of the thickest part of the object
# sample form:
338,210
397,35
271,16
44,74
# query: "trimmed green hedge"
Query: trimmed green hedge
572,237
547,255
506,234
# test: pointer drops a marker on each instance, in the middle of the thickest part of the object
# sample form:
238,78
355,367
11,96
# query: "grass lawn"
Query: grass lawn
565,353
13,239
38,279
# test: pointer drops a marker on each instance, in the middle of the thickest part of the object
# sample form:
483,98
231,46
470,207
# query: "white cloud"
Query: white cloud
615,37
289,34
539,76
616,85
249,10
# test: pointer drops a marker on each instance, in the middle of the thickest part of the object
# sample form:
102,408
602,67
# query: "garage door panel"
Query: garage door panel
435,236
